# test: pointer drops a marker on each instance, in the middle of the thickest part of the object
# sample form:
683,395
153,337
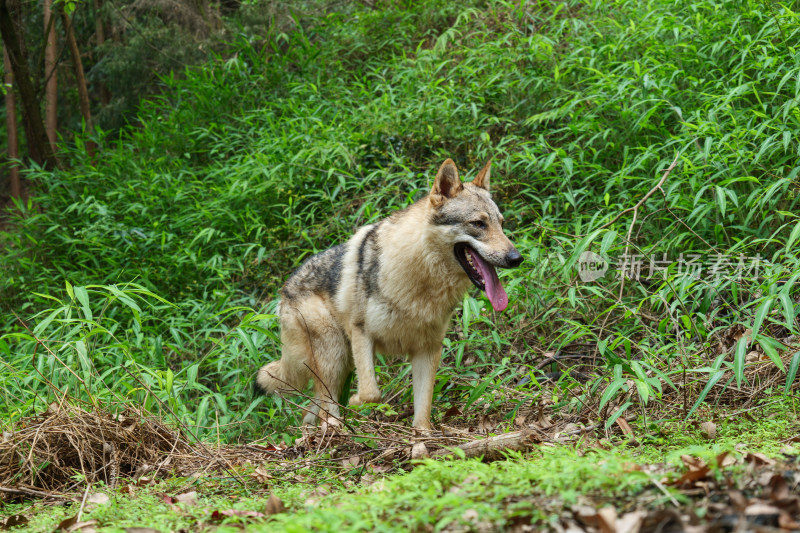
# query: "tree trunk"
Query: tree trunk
38,144
80,79
105,95
51,78
11,126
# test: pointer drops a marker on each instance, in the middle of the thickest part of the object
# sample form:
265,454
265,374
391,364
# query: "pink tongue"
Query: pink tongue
494,290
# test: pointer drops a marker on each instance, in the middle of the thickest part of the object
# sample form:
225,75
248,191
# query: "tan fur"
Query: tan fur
402,306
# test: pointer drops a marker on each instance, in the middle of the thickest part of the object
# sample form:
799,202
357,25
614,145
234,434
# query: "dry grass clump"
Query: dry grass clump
66,446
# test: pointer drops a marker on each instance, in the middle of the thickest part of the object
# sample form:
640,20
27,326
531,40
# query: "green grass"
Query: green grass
532,488
149,275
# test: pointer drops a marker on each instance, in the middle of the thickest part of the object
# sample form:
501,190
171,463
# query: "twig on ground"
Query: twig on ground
492,446
22,491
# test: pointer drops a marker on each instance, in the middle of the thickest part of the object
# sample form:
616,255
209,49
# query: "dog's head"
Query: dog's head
466,214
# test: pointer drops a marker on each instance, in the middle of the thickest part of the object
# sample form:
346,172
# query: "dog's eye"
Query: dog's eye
480,224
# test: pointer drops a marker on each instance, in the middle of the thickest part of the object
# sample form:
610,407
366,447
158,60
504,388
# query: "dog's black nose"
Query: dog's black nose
513,258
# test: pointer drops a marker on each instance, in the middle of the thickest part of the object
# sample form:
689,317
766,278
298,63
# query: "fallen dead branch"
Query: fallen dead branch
493,447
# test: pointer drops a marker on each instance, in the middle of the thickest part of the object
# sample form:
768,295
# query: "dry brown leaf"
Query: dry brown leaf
759,459
485,424
607,519
697,470
274,505
67,523
764,478
738,500
585,514
693,463
604,519
260,474
217,516
631,467
187,498
663,520
721,458
352,461
380,468
543,421
748,333
768,515
631,522
520,421
785,521
453,412
13,521
624,426
779,488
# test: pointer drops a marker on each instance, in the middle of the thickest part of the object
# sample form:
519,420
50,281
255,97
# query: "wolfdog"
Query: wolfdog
391,288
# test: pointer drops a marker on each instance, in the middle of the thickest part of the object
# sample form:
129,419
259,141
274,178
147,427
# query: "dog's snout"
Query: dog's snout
513,258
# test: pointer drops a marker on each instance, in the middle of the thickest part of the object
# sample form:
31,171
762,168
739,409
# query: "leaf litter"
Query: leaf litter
128,452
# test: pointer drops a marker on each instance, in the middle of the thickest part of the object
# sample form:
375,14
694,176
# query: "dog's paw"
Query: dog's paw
355,399
310,419
360,399
330,424
422,426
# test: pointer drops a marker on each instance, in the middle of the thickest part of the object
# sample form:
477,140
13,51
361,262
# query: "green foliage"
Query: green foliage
280,147
108,345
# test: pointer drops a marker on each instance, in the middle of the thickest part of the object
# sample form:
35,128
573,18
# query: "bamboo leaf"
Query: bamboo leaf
700,399
739,359
792,373
617,414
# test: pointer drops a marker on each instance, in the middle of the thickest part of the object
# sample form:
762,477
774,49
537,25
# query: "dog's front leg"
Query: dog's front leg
363,347
423,372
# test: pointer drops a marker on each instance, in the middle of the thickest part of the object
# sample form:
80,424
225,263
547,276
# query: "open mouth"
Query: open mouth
482,274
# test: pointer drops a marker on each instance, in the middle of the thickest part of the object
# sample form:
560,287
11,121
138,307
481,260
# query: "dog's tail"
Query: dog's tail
275,377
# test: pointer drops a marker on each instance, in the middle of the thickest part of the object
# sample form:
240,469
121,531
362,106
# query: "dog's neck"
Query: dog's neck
425,269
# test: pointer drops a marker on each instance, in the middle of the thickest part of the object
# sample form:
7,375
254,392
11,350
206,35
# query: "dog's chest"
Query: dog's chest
400,330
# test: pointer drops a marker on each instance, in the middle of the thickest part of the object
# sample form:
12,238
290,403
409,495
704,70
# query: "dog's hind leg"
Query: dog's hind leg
320,346
332,364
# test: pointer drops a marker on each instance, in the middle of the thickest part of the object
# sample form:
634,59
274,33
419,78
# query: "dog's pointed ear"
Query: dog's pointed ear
482,180
447,183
